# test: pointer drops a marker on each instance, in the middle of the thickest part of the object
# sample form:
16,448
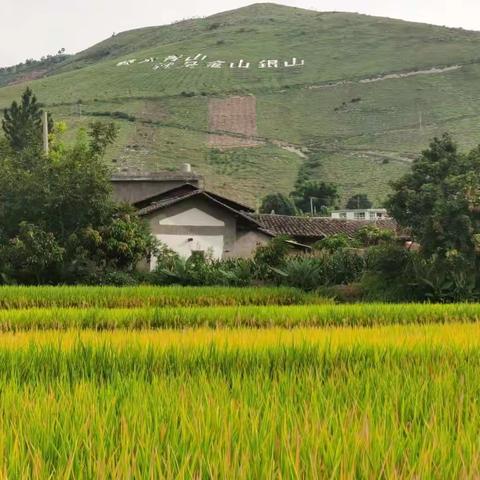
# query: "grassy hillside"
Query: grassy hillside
371,93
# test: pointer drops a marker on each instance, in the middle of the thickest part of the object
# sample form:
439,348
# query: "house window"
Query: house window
374,216
343,215
359,215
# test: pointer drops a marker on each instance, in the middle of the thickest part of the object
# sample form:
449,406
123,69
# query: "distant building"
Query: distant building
361,214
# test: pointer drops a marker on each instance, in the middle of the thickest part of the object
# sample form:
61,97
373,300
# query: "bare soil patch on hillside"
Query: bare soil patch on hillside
28,77
236,116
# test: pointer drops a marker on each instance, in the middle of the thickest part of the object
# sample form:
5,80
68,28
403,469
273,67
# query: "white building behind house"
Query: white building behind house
361,214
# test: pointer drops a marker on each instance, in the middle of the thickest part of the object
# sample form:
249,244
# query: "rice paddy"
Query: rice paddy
130,297
242,388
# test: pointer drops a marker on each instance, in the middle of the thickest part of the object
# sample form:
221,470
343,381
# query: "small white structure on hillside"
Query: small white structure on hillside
361,214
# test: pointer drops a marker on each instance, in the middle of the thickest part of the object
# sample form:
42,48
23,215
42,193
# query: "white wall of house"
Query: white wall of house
361,214
197,224
186,243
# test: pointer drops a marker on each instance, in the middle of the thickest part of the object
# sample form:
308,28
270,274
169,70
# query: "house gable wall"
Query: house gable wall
195,224
200,224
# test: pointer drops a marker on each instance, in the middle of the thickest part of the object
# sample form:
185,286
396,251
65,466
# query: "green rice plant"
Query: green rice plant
129,297
218,412
327,315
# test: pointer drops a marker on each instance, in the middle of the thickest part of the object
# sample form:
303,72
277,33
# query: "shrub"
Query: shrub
372,235
303,272
269,257
390,273
335,242
347,266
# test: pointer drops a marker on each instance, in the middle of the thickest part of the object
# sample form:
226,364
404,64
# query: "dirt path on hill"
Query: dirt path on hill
389,76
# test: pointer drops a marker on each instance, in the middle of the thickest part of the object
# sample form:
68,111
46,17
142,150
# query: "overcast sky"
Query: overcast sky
32,28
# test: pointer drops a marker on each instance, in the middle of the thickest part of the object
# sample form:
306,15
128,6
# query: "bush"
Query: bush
347,266
321,270
390,273
303,272
270,257
372,235
199,271
335,242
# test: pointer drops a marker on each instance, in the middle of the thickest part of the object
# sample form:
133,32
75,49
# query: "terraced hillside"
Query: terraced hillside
341,97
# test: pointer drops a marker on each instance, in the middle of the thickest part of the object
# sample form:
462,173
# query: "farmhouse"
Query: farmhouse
189,219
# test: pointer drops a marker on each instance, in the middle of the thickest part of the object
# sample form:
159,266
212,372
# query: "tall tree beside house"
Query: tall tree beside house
358,201
319,195
439,200
279,204
58,222
22,123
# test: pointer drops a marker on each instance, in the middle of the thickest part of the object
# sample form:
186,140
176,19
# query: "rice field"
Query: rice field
236,390
242,316
131,297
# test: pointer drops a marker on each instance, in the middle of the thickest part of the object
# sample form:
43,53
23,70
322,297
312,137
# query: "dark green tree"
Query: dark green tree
320,195
22,123
439,201
360,200
279,204
33,254
58,222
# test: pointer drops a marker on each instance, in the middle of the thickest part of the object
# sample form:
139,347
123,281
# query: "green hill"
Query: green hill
365,96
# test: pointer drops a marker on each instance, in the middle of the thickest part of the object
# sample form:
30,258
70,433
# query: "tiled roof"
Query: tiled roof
316,227
183,192
170,198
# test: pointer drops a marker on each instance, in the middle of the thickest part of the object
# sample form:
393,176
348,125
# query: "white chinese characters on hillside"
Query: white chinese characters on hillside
202,61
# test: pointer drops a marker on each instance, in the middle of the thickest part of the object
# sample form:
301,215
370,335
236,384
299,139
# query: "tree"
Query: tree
320,195
58,221
32,253
440,202
22,123
358,201
440,199
279,204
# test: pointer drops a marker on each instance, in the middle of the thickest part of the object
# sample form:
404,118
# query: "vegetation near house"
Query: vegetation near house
309,197
279,204
358,201
319,196
58,222
439,202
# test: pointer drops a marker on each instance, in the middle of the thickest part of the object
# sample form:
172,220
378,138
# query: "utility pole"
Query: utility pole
45,133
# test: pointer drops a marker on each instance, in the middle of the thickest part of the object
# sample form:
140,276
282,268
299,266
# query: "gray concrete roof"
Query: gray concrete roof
155,177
